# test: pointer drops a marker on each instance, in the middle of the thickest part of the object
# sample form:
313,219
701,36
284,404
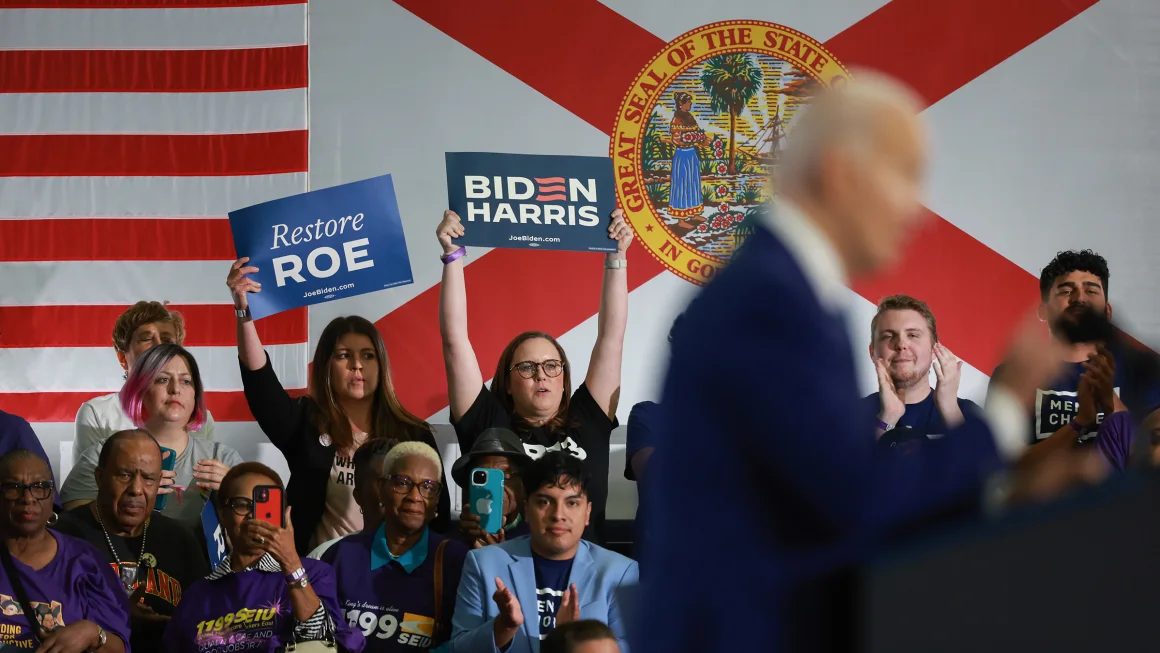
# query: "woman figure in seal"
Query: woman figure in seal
685,190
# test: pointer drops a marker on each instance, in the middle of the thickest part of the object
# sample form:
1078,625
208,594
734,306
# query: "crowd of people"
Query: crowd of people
366,556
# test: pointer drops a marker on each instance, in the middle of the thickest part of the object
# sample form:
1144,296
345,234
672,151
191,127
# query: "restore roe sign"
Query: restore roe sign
323,245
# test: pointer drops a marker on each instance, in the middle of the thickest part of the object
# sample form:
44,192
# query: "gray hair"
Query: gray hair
842,117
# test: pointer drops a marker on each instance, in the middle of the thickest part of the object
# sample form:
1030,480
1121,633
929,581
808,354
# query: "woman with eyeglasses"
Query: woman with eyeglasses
531,391
57,593
397,585
351,400
262,596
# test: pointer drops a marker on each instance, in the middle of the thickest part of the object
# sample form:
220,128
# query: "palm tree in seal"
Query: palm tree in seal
731,80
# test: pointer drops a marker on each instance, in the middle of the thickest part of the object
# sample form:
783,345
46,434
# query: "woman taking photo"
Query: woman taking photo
164,396
352,400
56,592
261,596
531,391
401,568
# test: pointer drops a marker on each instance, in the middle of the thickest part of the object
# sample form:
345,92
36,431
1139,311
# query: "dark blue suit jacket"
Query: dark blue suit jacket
767,483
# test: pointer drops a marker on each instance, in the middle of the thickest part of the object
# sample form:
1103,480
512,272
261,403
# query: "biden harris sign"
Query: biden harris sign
532,201
323,245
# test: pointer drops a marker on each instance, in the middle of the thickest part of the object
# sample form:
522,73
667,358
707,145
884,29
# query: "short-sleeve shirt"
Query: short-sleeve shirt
921,421
551,583
76,585
393,603
1058,403
100,417
82,486
171,562
587,438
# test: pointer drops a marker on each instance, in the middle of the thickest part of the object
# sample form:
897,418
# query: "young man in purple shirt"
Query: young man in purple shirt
904,347
513,594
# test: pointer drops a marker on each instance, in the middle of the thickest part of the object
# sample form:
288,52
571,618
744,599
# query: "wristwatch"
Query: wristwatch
884,426
242,313
102,637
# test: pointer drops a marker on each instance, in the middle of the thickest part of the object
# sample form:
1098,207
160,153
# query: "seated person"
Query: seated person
150,553
904,346
17,433
142,326
1073,290
513,594
496,448
584,636
56,591
164,396
368,467
261,596
398,582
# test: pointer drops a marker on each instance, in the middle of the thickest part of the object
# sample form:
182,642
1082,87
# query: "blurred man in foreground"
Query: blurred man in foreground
775,446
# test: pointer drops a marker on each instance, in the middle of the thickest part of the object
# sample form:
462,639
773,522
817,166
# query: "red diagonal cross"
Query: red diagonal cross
584,56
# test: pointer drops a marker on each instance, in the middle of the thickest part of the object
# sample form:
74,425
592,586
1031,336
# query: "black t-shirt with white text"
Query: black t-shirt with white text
172,562
551,583
587,438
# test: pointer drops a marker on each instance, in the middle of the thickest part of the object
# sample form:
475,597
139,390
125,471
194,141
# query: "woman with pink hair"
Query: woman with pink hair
164,396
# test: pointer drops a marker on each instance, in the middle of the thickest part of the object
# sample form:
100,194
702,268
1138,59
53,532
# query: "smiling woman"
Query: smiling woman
352,400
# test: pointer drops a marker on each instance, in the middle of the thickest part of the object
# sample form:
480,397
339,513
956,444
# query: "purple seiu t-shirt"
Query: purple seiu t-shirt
249,611
393,609
77,585
1114,439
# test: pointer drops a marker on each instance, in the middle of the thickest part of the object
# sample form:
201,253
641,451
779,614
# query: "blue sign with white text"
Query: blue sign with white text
323,245
536,201
215,540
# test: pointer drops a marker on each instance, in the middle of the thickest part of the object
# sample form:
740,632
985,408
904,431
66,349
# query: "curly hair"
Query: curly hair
1073,261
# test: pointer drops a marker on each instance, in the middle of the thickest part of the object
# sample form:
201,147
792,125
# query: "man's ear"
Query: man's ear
1109,310
588,514
121,359
1041,312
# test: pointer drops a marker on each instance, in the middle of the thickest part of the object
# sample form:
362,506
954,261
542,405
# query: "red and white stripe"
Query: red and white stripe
129,129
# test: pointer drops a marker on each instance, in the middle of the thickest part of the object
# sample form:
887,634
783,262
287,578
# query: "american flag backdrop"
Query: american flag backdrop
127,131
128,128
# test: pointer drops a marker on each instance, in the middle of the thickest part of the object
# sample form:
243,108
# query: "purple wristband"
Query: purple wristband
457,254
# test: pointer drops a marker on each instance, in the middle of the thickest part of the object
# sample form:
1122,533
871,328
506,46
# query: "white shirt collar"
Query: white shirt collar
812,250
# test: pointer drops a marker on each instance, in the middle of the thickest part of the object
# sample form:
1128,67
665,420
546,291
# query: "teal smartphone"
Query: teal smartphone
485,498
167,465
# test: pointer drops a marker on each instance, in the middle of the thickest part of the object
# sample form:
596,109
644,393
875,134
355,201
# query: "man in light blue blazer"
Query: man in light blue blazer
513,594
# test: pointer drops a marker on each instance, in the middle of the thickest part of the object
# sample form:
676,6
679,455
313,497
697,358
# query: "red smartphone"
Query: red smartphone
268,506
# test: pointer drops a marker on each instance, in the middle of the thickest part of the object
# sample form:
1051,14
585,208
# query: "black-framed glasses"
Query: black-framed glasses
403,484
241,506
527,369
39,490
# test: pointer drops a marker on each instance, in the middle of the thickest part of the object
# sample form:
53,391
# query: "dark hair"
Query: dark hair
121,436
1073,261
146,369
681,97
503,372
566,637
388,417
557,469
240,470
366,454
17,455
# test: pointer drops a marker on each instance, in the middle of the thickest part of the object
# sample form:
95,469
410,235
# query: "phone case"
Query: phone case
270,509
486,499
167,465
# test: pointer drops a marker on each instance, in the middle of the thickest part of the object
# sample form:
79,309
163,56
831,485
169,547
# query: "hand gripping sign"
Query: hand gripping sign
532,201
323,245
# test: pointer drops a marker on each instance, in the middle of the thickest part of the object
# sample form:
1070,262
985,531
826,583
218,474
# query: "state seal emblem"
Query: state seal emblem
701,131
